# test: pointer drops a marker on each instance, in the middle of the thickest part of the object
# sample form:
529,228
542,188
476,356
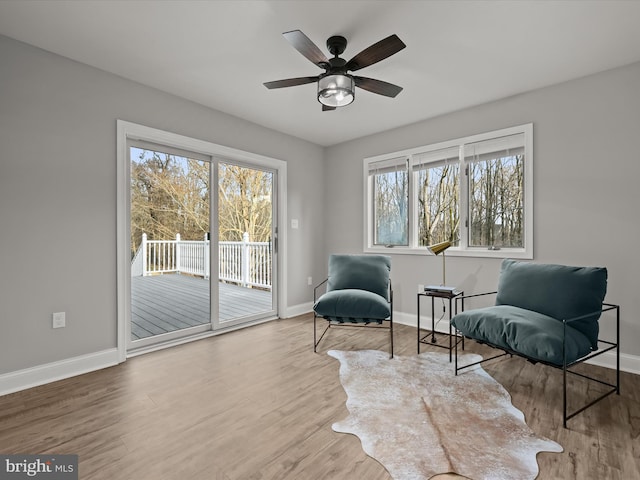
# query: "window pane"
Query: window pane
496,208
391,201
438,203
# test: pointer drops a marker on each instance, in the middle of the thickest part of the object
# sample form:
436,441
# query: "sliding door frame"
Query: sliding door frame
275,250
153,341
132,131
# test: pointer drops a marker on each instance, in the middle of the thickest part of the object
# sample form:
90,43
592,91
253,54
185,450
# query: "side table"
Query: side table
430,337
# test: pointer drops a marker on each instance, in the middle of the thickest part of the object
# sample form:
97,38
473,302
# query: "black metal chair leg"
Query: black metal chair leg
315,343
391,333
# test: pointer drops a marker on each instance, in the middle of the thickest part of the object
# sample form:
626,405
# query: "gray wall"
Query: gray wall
586,187
58,197
58,193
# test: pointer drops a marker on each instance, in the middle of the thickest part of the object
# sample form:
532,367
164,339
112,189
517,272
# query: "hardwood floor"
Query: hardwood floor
258,404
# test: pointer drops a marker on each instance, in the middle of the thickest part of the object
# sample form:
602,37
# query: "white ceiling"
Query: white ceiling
218,53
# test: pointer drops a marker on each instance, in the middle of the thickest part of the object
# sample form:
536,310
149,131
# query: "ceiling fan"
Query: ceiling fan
336,85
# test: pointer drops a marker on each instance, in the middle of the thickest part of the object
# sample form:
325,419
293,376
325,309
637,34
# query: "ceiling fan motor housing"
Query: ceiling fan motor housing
337,65
336,45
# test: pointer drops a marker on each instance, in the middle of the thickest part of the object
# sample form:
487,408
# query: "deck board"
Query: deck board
166,303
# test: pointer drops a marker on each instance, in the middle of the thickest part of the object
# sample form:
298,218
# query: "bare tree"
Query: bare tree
244,203
496,208
438,200
169,195
391,204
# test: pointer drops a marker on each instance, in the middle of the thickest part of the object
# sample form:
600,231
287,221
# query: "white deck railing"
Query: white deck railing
245,263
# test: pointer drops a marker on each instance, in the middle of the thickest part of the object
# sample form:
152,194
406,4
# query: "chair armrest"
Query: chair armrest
464,297
315,289
605,308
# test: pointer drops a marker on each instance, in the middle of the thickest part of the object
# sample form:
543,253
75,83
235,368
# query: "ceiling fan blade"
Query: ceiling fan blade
376,52
290,82
377,86
326,108
306,47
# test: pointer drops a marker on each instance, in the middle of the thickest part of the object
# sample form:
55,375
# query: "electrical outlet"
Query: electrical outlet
309,281
59,320
420,288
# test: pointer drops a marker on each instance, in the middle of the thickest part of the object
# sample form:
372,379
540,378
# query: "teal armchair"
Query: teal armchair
357,293
548,314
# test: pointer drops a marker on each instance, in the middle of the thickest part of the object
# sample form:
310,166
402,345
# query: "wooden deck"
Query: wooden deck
166,303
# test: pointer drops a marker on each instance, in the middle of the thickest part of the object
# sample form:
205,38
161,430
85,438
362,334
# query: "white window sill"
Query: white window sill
516,253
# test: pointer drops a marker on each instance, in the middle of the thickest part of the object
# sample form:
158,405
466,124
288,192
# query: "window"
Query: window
437,183
476,192
390,199
496,206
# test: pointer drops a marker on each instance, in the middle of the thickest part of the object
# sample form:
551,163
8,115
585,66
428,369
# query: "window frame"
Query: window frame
463,249
388,165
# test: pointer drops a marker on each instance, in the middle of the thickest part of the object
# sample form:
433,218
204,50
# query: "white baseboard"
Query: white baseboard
410,320
295,310
52,372
628,363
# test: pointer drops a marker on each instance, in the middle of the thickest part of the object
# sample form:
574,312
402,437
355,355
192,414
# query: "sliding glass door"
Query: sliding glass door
170,267
199,262
247,245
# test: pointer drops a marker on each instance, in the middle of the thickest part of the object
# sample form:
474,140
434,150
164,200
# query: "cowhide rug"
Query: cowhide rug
414,416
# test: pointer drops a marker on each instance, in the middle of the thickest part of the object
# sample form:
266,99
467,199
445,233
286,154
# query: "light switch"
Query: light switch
294,223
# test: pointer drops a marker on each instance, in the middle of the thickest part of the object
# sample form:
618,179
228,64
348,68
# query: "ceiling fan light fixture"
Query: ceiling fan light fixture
336,90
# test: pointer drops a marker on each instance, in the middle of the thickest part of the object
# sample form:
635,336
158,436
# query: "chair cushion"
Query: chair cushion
558,291
529,333
352,305
363,272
